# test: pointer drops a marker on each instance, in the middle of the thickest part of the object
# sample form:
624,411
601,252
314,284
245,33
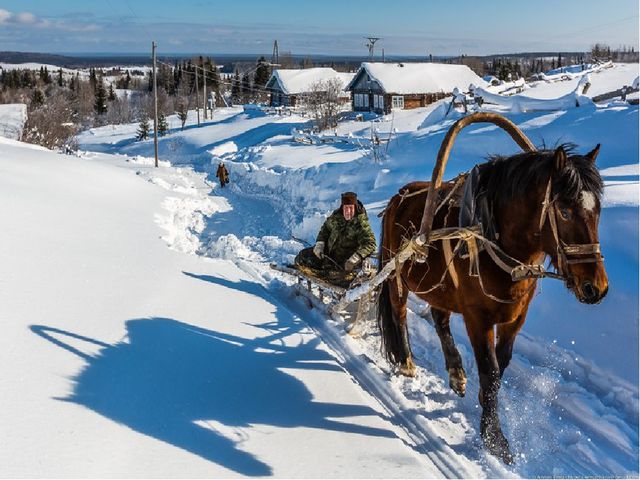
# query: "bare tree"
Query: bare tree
52,124
323,102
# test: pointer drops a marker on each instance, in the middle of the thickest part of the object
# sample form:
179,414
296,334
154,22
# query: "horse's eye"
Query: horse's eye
565,213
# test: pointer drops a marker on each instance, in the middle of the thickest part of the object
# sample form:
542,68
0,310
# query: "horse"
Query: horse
542,204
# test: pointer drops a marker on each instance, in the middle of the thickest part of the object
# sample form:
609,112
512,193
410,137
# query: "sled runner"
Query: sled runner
325,296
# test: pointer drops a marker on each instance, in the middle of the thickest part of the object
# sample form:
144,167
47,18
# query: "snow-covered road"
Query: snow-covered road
122,357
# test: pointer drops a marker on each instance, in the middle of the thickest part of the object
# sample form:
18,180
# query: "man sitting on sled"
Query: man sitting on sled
344,241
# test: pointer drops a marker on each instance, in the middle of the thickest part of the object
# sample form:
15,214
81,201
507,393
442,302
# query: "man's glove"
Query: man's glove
352,262
318,250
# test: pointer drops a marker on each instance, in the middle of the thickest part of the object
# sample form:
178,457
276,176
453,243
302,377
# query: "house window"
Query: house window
365,100
356,100
378,102
397,102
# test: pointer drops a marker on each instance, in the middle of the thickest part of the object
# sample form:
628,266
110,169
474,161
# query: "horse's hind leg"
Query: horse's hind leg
452,359
392,320
399,299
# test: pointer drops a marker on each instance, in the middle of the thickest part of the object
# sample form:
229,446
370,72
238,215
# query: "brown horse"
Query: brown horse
542,204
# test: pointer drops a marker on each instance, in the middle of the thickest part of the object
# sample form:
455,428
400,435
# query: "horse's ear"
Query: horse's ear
559,159
593,154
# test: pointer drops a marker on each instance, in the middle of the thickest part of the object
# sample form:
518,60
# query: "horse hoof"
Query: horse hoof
458,381
497,445
408,370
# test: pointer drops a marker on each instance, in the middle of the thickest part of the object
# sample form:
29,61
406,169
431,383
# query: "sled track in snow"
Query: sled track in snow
416,426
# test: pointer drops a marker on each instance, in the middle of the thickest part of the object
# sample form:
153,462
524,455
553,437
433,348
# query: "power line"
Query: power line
214,80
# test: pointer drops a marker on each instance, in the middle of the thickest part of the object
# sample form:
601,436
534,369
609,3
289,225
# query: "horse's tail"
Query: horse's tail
390,330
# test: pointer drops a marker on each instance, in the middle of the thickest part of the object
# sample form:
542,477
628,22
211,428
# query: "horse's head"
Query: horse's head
569,223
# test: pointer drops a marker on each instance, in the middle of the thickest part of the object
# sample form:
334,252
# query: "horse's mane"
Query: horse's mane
503,178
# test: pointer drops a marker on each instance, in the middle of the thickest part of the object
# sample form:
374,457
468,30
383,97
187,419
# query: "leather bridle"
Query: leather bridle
568,253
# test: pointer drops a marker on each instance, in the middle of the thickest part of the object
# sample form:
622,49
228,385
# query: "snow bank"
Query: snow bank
523,103
12,120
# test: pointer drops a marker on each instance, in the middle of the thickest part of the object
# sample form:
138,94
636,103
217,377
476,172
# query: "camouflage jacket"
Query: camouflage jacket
343,238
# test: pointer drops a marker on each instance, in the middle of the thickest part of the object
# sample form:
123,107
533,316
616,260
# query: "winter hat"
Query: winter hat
349,198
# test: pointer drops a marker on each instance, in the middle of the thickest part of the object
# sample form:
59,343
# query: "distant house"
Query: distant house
382,87
288,86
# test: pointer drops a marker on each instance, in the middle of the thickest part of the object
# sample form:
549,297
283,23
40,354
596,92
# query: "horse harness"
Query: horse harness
474,238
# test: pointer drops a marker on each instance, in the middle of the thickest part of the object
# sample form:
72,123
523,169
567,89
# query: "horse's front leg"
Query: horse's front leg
506,336
482,340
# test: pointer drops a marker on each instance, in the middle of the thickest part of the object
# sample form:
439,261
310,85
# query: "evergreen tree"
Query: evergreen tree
262,73
74,84
44,76
246,88
60,79
93,79
37,99
112,93
559,60
235,87
143,128
182,113
163,127
100,103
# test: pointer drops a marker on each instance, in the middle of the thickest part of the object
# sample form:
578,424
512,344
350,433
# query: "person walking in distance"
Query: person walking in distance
222,174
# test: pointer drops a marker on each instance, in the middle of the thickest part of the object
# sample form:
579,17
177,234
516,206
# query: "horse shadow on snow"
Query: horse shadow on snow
167,375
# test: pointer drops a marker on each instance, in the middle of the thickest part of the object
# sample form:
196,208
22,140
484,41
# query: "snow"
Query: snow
13,116
126,358
296,81
33,66
524,103
406,78
602,81
161,336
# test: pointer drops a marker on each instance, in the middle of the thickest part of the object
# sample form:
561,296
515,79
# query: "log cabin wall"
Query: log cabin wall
364,89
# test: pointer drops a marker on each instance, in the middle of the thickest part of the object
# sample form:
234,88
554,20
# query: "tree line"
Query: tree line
62,102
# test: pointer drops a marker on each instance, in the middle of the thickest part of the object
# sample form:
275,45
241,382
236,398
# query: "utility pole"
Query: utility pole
204,93
197,94
274,55
155,104
371,42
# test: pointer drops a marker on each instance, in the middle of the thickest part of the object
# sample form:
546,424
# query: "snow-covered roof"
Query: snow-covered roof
409,78
295,81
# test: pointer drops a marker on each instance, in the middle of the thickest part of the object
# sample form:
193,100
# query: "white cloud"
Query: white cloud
26,18
30,20
5,15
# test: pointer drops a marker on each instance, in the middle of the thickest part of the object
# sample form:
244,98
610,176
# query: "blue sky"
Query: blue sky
407,27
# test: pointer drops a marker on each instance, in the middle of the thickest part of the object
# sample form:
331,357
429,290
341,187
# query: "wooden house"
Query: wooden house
288,86
382,87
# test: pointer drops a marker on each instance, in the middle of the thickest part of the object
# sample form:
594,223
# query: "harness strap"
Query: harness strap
448,258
